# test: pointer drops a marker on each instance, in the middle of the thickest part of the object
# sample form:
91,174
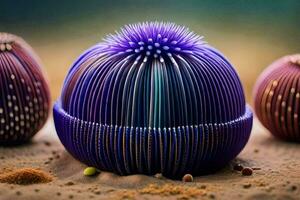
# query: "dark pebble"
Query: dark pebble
256,168
69,183
293,188
247,171
187,178
212,196
97,192
247,185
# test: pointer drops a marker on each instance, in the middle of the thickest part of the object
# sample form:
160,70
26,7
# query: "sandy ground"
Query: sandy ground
278,178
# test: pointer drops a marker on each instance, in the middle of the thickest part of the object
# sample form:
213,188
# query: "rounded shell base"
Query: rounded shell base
173,152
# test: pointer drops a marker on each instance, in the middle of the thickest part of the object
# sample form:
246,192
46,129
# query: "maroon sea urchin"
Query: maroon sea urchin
277,98
25,98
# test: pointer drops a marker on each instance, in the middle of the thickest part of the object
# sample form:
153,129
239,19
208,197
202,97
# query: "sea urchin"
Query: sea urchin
153,98
277,98
24,92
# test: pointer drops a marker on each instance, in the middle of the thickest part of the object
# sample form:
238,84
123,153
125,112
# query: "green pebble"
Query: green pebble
90,171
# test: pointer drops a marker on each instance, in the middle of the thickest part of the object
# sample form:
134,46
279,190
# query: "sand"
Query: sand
277,175
24,176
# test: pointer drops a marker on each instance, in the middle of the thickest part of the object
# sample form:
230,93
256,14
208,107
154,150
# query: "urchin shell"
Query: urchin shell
153,98
25,98
277,98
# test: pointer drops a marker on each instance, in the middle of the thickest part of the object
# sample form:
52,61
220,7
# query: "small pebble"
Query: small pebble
212,196
238,167
158,175
203,186
18,193
97,192
256,150
293,188
90,171
256,168
247,171
69,183
187,178
247,185
58,193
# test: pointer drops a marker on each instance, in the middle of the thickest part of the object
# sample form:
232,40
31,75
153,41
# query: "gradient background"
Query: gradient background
251,34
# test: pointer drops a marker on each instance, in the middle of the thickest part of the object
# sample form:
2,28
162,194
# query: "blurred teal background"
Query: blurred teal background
251,34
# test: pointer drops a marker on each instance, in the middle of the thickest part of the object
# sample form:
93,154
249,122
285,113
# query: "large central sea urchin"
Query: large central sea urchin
153,98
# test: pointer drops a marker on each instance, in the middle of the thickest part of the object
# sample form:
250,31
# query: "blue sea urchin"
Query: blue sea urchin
25,97
153,98
155,40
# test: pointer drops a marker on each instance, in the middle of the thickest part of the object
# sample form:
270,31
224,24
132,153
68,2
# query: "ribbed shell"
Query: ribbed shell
277,98
24,99
125,89
151,89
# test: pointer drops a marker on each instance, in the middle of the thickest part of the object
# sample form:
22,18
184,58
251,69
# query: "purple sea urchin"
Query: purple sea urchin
25,98
150,40
277,98
153,98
